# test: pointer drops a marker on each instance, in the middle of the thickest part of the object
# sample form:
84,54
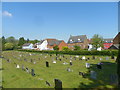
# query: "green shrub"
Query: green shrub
80,52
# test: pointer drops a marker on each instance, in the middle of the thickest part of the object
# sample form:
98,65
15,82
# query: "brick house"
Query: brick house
80,40
48,44
116,42
107,43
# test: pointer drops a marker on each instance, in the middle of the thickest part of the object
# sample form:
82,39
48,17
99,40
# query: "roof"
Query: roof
39,43
52,42
76,39
114,46
108,40
116,40
26,44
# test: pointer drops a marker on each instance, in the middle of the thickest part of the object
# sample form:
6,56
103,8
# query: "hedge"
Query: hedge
80,52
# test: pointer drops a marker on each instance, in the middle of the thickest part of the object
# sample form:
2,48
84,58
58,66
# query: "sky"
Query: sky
41,20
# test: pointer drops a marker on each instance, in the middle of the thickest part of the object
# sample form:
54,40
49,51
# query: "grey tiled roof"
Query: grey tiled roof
76,39
26,44
52,42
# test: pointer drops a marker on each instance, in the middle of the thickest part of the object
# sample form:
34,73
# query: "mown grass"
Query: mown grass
17,78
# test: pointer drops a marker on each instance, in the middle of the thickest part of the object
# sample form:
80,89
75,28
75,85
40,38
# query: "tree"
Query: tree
27,40
11,40
21,41
76,47
118,66
56,48
3,43
9,46
65,49
97,41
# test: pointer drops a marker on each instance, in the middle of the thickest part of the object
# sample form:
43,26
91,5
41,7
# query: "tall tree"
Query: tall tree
21,41
3,42
97,41
27,40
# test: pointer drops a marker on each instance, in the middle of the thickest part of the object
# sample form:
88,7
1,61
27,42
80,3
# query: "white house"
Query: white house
90,47
42,45
27,46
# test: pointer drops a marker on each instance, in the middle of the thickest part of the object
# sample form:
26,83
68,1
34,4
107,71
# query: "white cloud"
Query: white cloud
6,13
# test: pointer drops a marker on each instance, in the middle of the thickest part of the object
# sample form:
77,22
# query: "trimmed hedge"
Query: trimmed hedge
81,52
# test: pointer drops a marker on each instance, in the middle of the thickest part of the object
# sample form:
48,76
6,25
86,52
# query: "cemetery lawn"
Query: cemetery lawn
13,77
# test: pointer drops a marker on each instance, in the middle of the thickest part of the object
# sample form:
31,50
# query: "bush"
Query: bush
9,46
80,52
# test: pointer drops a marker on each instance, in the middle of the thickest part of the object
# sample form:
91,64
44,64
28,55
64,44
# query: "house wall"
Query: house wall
61,45
28,47
43,46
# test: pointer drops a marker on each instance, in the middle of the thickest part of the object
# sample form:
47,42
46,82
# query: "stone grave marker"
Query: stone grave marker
32,72
54,61
58,84
87,65
70,62
17,66
93,57
93,74
47,64
82,74
83,57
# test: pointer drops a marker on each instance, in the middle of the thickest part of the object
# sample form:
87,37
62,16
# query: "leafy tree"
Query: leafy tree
97,41
76,47
65,49
3,43
56,48
9,46
21,41
27,40
34,41
11,40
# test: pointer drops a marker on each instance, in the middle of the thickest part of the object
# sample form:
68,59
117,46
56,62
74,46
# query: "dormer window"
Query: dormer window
71,41
79,40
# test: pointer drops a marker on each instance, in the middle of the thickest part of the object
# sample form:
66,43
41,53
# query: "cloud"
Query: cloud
6,13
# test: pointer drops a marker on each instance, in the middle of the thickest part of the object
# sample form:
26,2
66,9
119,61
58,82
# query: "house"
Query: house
48,44
80,40
91,47
27,46
116,42
107,43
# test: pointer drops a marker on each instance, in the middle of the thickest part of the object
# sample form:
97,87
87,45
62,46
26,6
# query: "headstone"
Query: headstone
32,72
93,57
107,58
100,58
34,62
17,66
60,59
58,84
31,60
23,67
87,65
47,64
82,74
83,57
93,74
27,70
68,69
47,83
54,61
70,62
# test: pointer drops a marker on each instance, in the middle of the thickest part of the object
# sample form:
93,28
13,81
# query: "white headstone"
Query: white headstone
17,66
54,61
87,65
83,57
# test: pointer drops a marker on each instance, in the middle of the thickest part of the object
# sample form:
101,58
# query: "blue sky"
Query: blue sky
41,20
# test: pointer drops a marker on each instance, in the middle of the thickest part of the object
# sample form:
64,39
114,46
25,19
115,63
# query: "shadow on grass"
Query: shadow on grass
105,77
